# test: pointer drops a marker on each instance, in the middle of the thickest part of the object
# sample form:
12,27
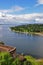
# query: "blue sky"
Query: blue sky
29,6
22,8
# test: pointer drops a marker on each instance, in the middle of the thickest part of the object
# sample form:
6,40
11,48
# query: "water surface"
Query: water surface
25,43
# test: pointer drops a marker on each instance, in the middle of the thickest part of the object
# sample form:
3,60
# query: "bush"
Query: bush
1,43
5,58
31,60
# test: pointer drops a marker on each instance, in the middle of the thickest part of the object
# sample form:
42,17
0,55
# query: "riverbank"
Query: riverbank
41,34
33,33
35,29
19,58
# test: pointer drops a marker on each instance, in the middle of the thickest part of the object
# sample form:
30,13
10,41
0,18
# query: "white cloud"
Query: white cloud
24,18
4,11
39,2
18,8
12,9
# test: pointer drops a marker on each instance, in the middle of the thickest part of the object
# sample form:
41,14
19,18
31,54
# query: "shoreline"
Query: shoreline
41,34
33,33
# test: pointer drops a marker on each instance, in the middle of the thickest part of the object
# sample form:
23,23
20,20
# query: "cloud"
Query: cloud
18,8
39,2
24,18
6,11
12,9
30,18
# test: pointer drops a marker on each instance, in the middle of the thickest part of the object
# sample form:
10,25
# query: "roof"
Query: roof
7,48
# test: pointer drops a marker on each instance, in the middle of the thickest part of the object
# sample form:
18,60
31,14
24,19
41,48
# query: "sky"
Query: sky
21,11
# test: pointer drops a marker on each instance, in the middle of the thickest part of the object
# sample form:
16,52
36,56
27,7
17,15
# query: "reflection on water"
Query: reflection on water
29,44
1,28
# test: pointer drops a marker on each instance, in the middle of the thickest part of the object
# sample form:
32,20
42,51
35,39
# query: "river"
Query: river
25,43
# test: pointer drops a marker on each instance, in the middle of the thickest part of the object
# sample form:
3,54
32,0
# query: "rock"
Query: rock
21,58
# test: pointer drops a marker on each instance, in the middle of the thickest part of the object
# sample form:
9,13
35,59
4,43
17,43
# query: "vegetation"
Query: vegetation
31,60
1,43
6,59
28,28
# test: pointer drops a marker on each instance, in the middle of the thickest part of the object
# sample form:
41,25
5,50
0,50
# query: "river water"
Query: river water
25,43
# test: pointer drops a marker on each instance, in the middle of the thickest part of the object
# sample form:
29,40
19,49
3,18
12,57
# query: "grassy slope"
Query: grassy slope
6,59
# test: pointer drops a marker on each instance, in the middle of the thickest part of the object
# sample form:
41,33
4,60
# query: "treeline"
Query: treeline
29,28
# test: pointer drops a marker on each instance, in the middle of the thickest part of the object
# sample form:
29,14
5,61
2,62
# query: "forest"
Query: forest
28,28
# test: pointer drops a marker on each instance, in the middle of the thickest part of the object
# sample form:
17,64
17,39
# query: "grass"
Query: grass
6,59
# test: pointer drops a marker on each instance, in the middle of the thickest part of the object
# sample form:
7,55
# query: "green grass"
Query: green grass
31,60
6,59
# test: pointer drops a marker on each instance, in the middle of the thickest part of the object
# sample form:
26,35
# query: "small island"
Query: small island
29,29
